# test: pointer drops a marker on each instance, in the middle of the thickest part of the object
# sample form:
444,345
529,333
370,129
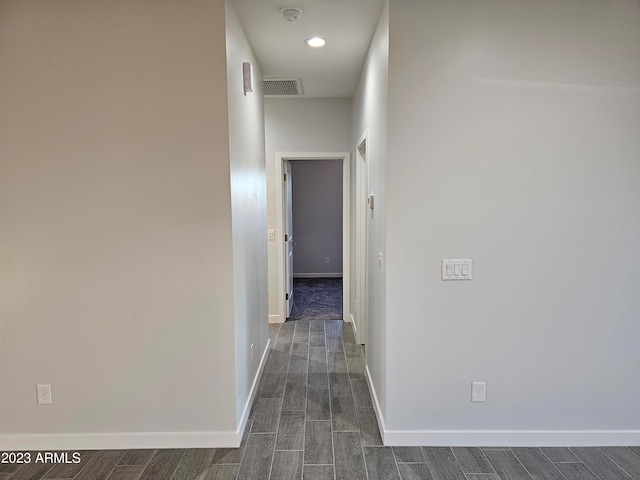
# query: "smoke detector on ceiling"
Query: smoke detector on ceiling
291,14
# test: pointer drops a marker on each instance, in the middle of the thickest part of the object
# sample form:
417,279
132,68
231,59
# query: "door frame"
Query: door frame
287,227
361,236
345,157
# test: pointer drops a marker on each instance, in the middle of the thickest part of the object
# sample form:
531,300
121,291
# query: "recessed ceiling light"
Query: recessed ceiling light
315,42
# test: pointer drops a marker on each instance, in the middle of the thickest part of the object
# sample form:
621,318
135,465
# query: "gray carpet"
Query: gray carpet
317,299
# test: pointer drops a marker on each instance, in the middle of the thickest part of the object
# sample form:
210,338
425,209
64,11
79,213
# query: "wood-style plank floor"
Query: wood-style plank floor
313,419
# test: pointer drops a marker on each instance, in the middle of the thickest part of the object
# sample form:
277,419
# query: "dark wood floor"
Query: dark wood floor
313,419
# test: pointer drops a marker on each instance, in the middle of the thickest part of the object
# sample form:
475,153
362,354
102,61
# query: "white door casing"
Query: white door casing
362,187
288,237
281,256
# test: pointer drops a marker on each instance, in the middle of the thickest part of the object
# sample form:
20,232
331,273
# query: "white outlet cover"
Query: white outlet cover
44,395
478,391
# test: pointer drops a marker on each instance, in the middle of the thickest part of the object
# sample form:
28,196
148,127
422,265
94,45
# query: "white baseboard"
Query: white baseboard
135,440
374,397
252,395
118,441
276,318
317,275
511,438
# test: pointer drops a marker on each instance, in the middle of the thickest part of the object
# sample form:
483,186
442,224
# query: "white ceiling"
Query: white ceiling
330,71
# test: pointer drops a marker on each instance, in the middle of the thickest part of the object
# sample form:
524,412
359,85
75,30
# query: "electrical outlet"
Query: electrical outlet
271,234
327,260
44,395
478,391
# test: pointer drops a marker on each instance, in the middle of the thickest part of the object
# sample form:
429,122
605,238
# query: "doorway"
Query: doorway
285,248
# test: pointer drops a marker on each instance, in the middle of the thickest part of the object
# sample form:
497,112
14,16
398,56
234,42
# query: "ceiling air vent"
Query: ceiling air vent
278,87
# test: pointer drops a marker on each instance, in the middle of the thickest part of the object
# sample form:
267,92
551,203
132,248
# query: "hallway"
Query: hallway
313,405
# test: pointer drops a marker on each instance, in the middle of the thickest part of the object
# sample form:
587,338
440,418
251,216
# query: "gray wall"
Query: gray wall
116,226
249,212
370,114
513,140
317,217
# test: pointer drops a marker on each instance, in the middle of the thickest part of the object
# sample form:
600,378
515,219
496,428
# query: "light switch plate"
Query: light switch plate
456,269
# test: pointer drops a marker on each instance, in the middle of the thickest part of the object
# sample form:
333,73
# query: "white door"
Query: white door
360,317
288,237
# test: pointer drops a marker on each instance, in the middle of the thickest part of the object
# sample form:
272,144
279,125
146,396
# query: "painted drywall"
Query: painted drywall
513,141
317,217
116,220
299,125
249,211
370,115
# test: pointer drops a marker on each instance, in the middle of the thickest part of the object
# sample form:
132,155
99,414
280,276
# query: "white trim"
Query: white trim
361,272
317,275
511,438
276,318
345,157
252,395
447,438
346,234
134,440
376,404
115,441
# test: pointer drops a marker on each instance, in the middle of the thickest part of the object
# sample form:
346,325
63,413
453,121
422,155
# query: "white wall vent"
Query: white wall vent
278,87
